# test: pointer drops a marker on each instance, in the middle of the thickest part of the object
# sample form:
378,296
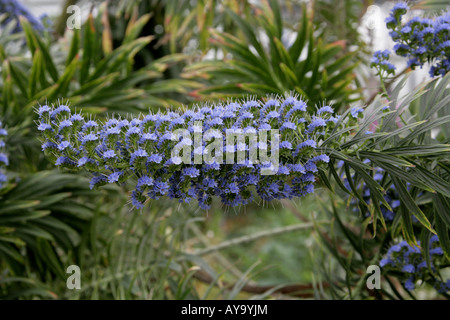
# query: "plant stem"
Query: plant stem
255,236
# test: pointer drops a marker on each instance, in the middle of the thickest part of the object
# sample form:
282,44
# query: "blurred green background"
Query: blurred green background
133,56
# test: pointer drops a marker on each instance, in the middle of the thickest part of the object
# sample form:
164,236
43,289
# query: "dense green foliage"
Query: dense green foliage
134,56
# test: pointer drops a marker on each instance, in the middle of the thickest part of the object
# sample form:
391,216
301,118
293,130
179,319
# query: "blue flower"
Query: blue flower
325,109
400,6
437,251
88,138
311,167
44,127
148,137
96,181
191,172
286,145
287,101
288,125
406,29
410,263
137,199
84,160
283,170
114,177
305,144
63,145
387,65
140,153
390,22
385,262
14,9
144,181
297,168
4,159
112,131
316,123
49,145
111,123
309,177
155,158
409,284
109,154
88,125
409,268
45,109
118,149
133,132
160,188
356,111
135,122
64,161
380,61
123,124
76,118
272,115
421,40
321,158
60,109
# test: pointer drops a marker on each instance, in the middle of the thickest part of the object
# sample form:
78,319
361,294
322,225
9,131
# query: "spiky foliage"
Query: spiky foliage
317,71
417,192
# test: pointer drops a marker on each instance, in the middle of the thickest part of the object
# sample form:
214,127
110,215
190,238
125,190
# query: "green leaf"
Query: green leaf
442,232
66,78
29,34
403,175
134,28
36,69
297,47
34,231
74,46
6,250
10,207
425,237
407,227
88,47
48,254
419,150
424,128
48,59
248,32
441,208
391,134
381,156
338,179
20,79
409,203
432,180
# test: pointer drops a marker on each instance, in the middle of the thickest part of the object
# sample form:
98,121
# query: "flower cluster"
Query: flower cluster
380,61
14,9
421,40
4,161
391,195
140,150
410,262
